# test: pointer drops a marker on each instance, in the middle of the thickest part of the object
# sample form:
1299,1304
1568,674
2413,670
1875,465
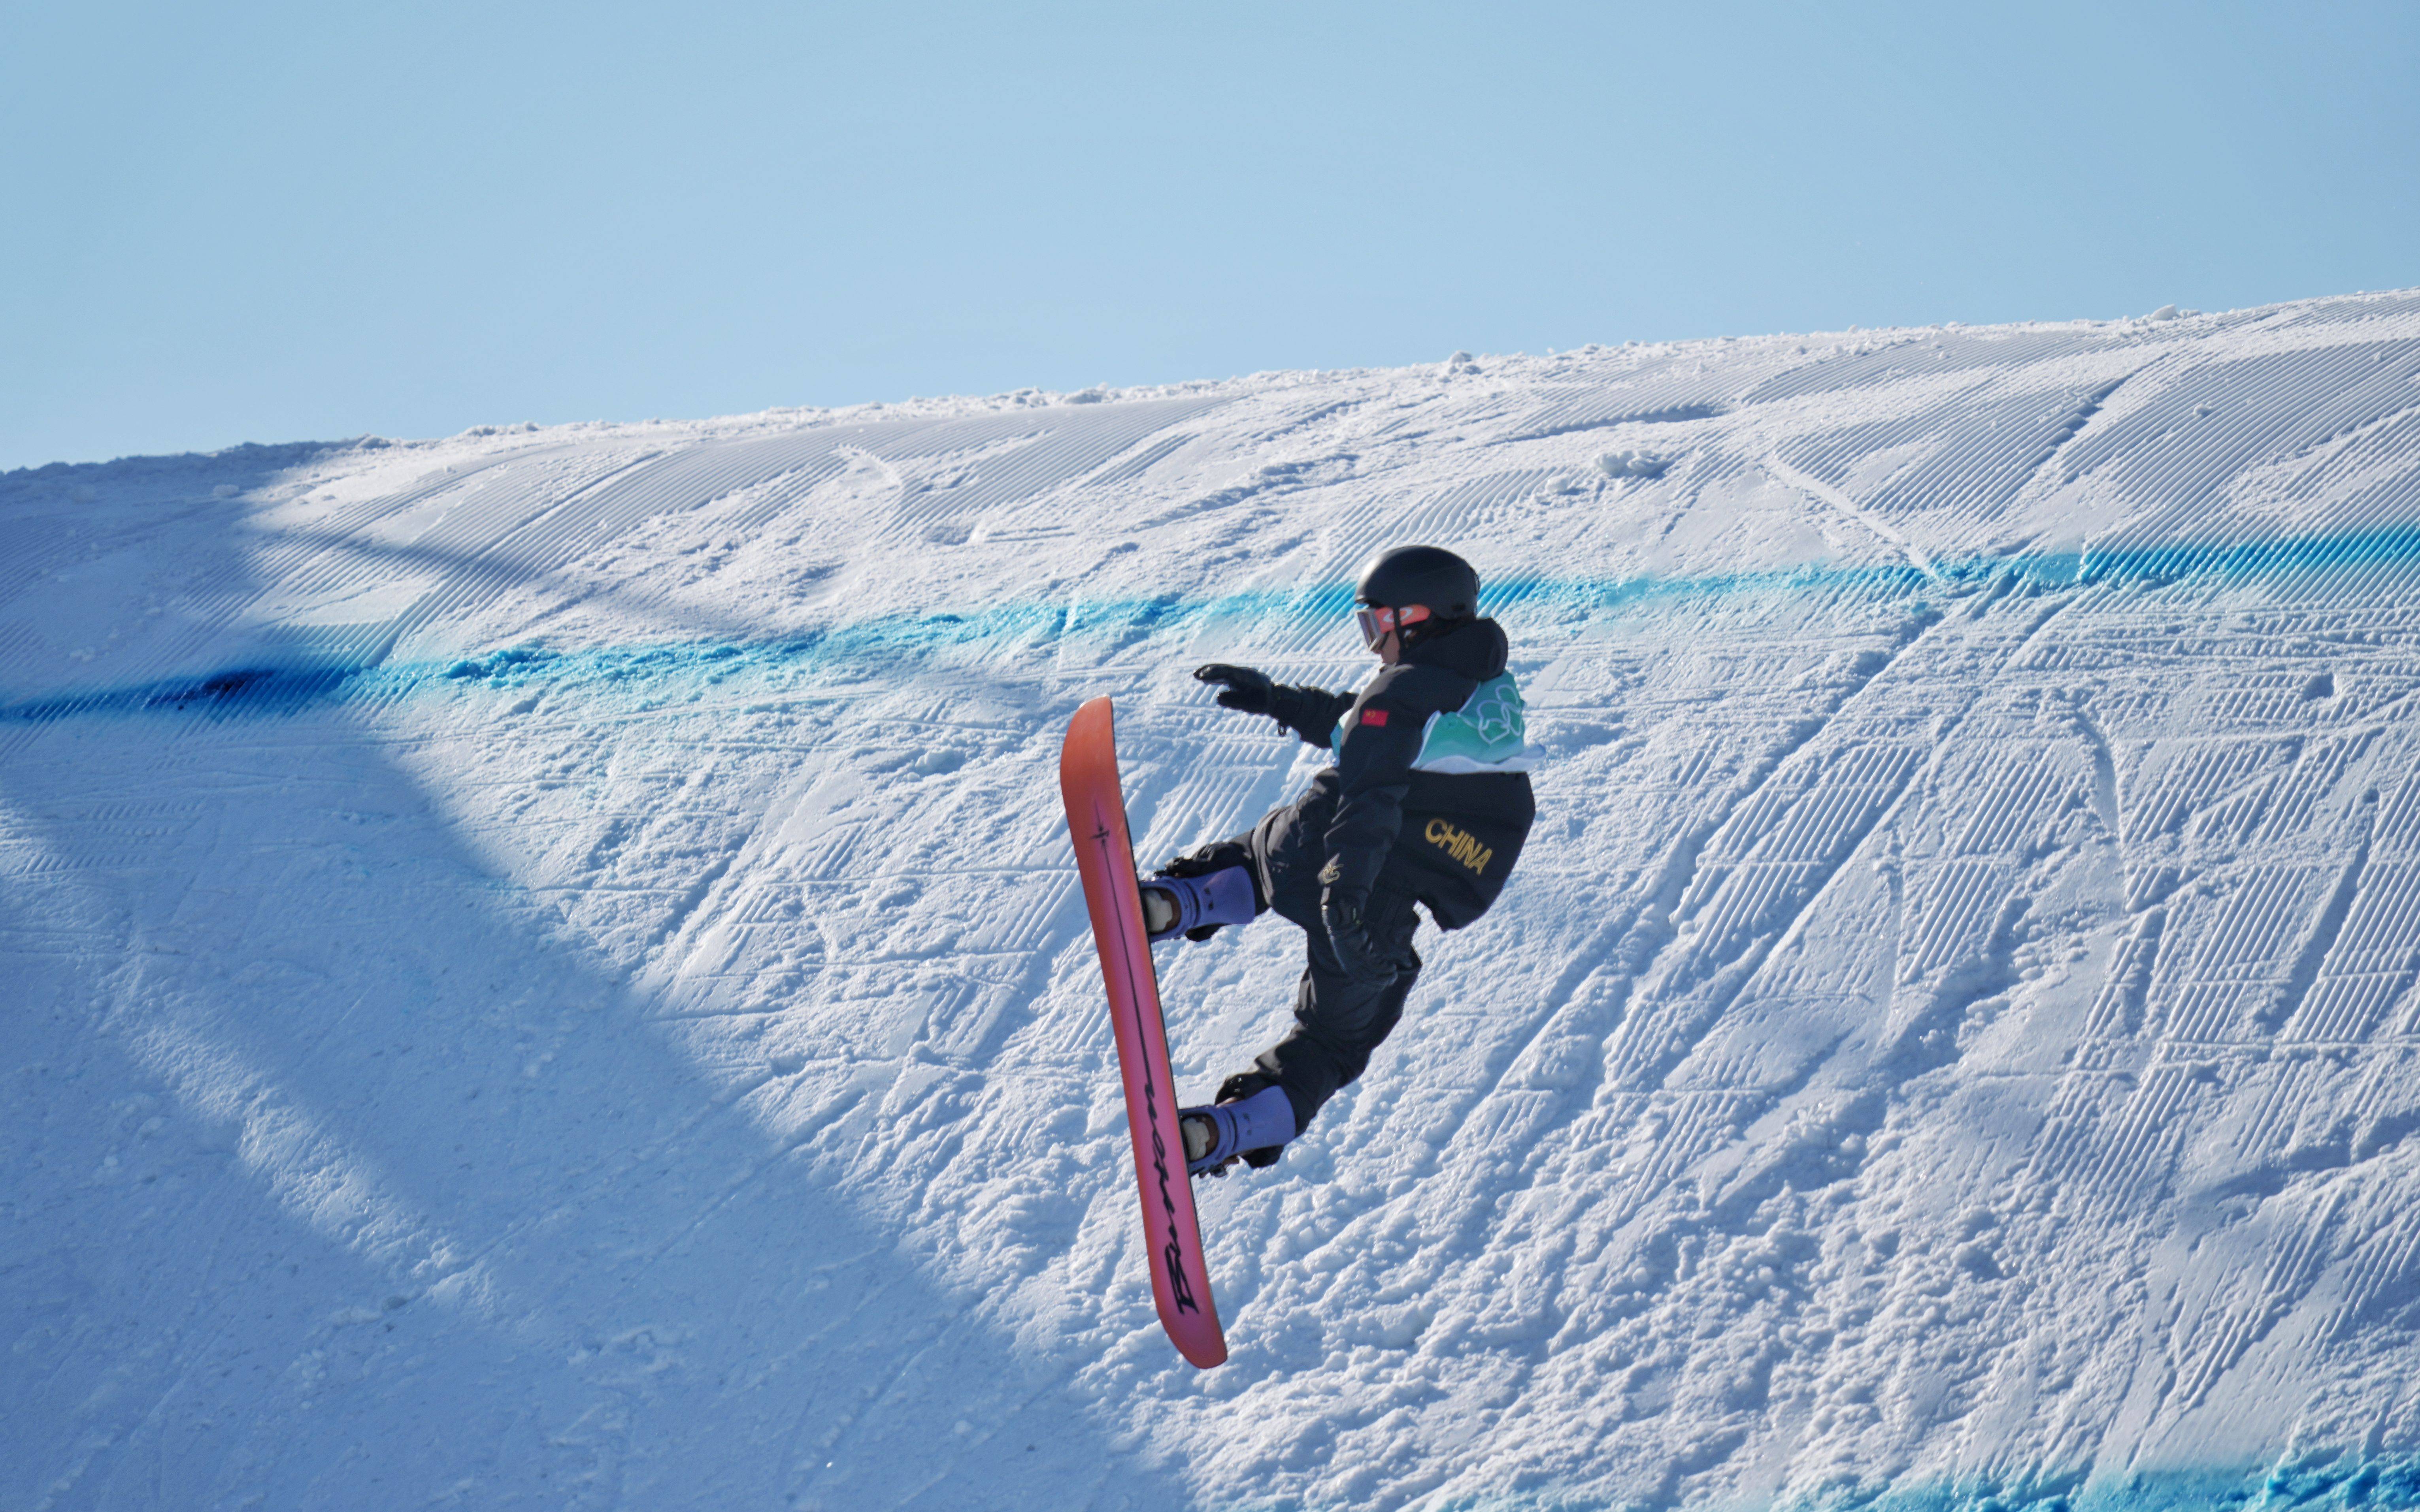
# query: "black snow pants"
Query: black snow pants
1340,1017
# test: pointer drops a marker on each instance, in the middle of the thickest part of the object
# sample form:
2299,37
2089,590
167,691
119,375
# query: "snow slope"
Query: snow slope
543,967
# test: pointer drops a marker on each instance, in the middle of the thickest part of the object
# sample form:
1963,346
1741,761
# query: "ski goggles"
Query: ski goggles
1377,624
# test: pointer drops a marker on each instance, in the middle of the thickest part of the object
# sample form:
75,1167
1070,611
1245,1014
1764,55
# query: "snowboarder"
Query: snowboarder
1428,802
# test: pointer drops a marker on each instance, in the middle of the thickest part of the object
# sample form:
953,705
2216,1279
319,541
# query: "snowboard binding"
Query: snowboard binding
1250,1128
1196,906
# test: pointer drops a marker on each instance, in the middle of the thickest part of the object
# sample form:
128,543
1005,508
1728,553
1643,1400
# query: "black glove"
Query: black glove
1240,688
1341,911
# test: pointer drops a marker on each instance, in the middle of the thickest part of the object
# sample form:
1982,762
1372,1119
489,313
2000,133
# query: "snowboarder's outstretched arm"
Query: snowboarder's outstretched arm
1308,712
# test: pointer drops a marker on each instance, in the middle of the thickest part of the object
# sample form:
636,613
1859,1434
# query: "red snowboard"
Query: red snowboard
1097,822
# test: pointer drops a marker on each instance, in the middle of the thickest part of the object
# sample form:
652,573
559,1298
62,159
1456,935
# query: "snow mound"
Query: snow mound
544,967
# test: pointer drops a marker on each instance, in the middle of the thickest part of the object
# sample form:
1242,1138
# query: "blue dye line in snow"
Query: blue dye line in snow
283,689
2308,1481
257,689
2311,1481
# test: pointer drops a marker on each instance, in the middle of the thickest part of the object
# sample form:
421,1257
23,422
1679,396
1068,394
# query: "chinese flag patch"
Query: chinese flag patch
1375,718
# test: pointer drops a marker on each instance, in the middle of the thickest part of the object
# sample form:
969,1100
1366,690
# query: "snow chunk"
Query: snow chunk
1633,464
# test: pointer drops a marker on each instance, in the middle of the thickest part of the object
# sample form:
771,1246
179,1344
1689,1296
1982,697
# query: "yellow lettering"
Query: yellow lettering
1463,847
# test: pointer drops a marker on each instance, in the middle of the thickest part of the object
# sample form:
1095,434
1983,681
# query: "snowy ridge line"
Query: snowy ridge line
267,689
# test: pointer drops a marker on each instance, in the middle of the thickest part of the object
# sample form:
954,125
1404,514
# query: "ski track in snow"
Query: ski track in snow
545,969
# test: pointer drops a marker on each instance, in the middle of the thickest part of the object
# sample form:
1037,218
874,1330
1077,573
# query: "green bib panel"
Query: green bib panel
1486,734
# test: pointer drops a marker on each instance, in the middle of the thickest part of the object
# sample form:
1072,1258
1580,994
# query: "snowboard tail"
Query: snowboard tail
1096,823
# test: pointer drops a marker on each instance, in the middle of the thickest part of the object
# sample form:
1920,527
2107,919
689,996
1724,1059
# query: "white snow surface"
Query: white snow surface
543,968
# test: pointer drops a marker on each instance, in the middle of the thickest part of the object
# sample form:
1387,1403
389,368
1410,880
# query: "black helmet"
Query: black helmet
1430,576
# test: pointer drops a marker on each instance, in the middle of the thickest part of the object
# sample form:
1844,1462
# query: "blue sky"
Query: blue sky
272,221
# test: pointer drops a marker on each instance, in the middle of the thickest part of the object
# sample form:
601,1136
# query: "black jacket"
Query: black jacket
1451,839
